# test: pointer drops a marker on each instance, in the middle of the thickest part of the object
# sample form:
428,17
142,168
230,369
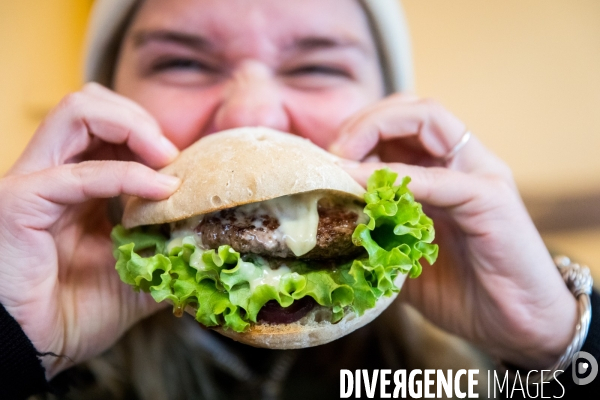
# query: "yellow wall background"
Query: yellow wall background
40,58
524,75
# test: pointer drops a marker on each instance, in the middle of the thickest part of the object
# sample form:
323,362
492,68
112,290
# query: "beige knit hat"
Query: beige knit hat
108,18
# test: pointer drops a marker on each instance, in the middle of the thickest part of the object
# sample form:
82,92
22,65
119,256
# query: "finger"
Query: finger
468,199
69,129
41,197
436,129
111,153
37,200
76,183
115,119
95,89
393,118
439,186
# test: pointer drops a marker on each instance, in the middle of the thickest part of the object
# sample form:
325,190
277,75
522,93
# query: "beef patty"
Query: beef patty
258,234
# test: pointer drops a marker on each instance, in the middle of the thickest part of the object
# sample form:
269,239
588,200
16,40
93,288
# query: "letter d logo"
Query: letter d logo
581,369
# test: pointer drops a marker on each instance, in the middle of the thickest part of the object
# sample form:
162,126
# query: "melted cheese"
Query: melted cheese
297,215
298,220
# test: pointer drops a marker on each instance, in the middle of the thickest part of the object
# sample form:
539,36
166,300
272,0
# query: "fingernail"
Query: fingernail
172,182
168,147
372,158
335,148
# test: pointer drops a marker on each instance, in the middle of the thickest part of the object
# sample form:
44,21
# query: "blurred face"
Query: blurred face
201,66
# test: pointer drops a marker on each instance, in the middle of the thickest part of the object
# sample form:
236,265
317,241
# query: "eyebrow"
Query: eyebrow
310,43
196,42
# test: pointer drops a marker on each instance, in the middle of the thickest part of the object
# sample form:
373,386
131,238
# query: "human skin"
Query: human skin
188,68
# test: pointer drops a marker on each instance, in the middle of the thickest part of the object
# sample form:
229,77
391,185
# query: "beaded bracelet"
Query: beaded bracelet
579,281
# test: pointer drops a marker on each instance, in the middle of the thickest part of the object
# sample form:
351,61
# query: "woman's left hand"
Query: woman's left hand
494,283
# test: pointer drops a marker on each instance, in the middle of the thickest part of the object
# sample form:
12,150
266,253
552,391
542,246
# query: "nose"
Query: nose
252,97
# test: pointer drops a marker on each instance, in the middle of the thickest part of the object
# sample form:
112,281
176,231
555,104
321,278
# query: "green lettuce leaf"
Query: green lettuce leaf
229,292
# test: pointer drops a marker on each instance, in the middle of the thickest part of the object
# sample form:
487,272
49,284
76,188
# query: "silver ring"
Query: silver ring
458,146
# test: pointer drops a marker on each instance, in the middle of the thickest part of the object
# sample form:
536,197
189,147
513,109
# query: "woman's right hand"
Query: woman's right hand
57,276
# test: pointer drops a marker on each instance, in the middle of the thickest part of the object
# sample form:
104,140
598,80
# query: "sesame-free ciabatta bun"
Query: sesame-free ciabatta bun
240,166
313,329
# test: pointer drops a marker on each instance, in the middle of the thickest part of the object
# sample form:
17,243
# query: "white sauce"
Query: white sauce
271,277
255,275
181,237
185,227
192,239
174,242
196,260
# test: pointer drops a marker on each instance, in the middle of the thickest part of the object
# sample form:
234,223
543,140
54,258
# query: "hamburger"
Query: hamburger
270,242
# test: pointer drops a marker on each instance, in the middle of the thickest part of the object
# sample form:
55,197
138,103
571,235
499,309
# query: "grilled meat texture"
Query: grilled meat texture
258,234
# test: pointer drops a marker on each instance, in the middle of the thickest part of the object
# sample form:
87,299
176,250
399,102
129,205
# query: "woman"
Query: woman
317,68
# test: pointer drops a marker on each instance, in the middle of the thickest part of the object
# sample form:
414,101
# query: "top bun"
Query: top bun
240,166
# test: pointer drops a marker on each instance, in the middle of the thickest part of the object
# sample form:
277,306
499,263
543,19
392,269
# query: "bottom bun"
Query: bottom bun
313,329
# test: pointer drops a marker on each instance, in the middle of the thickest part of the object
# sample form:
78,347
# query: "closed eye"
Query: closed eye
316,70
187,64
